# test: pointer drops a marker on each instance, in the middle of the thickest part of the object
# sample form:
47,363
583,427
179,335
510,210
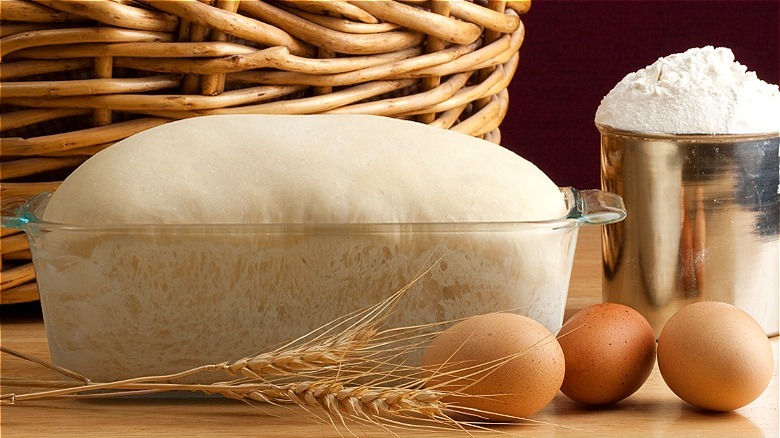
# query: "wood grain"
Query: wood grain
653,411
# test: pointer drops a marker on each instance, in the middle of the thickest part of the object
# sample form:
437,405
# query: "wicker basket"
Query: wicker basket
78,76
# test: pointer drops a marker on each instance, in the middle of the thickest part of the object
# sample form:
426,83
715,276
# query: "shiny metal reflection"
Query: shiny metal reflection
702,222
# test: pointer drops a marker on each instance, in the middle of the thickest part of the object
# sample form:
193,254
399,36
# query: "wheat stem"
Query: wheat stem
51,366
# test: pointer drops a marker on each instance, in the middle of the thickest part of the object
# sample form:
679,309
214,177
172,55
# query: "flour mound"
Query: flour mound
701,91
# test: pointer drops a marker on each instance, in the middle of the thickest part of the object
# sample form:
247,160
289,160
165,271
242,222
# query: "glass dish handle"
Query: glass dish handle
18,211
596,207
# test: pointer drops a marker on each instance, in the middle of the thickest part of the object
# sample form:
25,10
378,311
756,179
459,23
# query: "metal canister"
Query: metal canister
702,222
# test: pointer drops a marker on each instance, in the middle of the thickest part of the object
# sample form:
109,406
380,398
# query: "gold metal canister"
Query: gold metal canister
702,222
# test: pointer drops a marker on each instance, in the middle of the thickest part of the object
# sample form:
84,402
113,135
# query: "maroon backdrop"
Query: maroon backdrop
576,51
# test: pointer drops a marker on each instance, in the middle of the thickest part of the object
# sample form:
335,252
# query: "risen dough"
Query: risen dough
127,301
282,168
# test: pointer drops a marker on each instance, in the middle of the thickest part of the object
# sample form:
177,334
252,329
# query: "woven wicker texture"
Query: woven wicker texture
77,76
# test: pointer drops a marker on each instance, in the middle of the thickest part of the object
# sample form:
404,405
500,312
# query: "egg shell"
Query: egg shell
610,353
715,356
499,366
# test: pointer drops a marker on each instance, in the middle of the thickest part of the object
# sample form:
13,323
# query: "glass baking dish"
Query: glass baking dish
130,300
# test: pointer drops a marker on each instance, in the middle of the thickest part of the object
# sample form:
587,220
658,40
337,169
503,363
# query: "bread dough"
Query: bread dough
303,169
122,301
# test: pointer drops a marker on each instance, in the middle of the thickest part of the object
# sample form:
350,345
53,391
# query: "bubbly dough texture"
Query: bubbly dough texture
303,169
700,91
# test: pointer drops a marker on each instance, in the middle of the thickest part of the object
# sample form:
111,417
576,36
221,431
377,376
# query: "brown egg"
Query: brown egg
499,366
610,352
715,356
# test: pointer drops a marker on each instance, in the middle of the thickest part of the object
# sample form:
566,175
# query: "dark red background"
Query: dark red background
576,51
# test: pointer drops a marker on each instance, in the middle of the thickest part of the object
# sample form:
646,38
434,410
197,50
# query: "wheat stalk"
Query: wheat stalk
303,359
360,402
363,393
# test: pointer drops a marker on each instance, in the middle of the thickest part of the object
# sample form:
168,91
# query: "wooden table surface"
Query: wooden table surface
653,411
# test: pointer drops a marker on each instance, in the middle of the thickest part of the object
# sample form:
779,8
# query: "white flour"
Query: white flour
701,91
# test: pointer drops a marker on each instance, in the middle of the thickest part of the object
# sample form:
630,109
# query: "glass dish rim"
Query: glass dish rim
577,202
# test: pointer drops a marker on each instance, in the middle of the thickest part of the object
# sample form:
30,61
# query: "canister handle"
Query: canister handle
595,207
